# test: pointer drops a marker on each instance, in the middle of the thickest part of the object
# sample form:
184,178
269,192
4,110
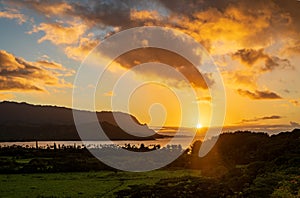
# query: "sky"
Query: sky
254,44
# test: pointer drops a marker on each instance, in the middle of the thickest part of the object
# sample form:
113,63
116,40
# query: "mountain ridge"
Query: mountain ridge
24,122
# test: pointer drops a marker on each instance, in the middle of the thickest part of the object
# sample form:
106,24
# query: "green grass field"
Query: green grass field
90,184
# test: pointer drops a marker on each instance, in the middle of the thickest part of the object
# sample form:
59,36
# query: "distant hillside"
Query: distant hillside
26,122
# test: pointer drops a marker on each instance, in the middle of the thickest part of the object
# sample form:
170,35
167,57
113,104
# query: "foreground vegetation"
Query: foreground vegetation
83,184
242,164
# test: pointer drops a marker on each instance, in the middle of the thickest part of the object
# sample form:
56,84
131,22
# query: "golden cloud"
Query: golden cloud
246,23
256,63
242,77
144,15
13,14
180,64
49,64
229,24
295,102
224,31
239,29
259,95
47,8
273,117
109,94
79,52
251,56
60,34
17,74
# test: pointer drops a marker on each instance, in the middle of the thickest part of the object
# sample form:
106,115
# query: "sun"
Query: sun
199,126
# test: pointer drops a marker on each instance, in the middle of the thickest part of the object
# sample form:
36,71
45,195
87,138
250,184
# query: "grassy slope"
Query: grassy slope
92,184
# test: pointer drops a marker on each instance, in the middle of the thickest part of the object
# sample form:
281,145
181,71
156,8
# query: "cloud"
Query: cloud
17,74
257,62
180,64
47,8
259,95
94,14
294,124
274,62
144,15
54,66
229,24
293,48
251,56
204,99
49,64
272,128
227,29
239,28
17,84
295,102
59,34
109,93
80,51
69,35
273,117
45,57
99,13
247,78
13,14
